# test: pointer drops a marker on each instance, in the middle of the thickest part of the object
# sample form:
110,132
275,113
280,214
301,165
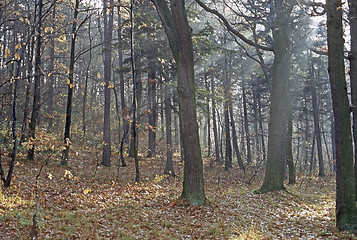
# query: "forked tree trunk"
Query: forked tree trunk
179,34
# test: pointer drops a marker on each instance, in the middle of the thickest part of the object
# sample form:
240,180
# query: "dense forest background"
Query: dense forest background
232,98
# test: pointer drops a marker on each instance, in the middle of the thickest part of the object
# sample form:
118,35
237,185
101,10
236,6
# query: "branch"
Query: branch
168,23
231,29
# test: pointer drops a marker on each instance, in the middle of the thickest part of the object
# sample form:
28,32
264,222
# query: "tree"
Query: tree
278,122
346,215
353,73
108,32
70,82
179,34
37,89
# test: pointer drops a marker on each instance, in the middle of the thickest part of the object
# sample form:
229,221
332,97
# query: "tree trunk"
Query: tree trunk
37,89
317,124
51,67
134,106
153,112
169,168
246,125
108,32
234,138
346,215
278,122
180,39
214,120
289,150
353,73
70,82
84,106
208,114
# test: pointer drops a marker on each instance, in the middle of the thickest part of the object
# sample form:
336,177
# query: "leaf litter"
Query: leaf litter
87,201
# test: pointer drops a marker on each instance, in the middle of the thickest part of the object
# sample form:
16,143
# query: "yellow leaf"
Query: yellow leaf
86,191
7,53
102,83
111,85
49,29
98,75
18,46
68,81
17,56
49,74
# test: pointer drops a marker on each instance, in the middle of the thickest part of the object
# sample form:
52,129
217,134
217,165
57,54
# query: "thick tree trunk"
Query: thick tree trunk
180,39
346,215
278,122
70,82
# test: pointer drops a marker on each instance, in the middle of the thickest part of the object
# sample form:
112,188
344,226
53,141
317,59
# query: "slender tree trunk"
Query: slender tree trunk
215,129
208,114
122,81
261,129
134,106
85,93
37,89
108,30
317,125
227,95
153,112
169,168
352,16
70,82
346,214
51,68
234,138
289,150
246,125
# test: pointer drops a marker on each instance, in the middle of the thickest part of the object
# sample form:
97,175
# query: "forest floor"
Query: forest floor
88,201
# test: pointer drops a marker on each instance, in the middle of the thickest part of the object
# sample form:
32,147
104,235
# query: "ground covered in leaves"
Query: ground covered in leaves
88,201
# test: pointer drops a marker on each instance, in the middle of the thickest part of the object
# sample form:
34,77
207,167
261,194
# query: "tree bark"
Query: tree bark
278,122
108,32
346,215
353,73
246,125
70,82
169,168
153,112
179,34
317,125
235,139
214,120
37,89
